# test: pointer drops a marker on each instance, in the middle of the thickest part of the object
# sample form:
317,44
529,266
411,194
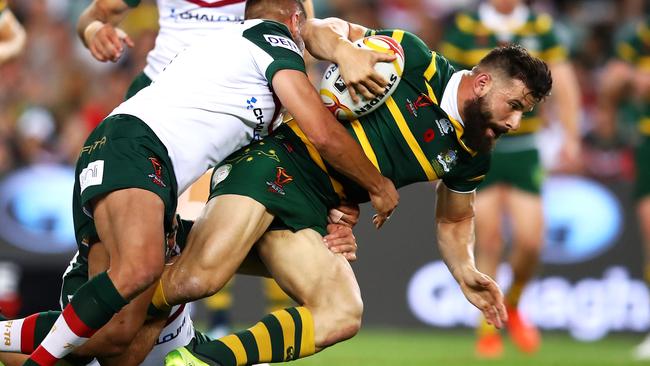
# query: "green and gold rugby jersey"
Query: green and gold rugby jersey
411,138
468,40
634,47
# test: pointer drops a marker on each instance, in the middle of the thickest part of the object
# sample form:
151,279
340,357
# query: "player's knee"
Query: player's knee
200,285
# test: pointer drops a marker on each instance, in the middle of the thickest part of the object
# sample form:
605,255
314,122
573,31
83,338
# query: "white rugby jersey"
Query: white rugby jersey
215,96
182,22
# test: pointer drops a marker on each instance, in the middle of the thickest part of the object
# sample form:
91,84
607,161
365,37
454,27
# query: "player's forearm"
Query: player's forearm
326,39
567,96
456,244
615,78
345,155
97,14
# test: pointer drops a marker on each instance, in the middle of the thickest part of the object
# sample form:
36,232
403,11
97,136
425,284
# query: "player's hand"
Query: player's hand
357,68
105,42
340,239
483,293
346,214
385,200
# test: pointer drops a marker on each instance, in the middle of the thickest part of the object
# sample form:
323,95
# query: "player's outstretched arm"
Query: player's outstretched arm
97,28
12,36
331,39
455,229
332,141
566,94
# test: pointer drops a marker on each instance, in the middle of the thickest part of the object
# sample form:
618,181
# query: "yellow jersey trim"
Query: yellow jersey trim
398,34
365,143
315,156
410,139
459,134
432,68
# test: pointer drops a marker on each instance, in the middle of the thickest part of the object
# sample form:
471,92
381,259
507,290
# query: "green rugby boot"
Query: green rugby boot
183,357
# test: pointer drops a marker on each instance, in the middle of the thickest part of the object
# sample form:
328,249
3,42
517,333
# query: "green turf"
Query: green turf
456,348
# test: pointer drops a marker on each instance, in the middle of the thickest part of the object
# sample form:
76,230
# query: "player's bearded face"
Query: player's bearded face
481,131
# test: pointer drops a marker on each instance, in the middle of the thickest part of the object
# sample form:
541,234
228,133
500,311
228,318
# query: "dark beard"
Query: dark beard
477,121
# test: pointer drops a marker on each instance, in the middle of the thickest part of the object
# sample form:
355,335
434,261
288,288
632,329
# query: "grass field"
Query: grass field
376,347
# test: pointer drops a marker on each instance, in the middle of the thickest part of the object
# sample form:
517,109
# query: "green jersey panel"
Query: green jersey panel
410,138
467,41
633,46
275,39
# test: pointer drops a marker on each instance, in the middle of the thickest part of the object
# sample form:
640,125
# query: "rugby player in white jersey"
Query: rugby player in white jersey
157,143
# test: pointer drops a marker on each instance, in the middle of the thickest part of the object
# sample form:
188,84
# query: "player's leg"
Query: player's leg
642,351
642,154
129,210
527,218
218,243
12,359
322,282
489,208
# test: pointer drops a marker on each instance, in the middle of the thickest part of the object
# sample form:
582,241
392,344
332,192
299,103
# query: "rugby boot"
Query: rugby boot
183,357
523,334
489,344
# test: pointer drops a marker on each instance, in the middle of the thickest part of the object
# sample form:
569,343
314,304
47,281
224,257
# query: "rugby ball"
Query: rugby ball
334,91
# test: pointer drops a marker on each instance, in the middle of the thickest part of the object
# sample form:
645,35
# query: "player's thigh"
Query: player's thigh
223,235
527,217
310,273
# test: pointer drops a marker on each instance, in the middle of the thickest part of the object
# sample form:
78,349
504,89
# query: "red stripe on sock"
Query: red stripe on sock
78,327
173,317
27,334
42,357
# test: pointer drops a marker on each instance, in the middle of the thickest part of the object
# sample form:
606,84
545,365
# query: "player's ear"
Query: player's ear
482,83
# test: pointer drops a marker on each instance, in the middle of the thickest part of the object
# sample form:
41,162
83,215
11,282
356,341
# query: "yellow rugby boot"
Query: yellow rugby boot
183,357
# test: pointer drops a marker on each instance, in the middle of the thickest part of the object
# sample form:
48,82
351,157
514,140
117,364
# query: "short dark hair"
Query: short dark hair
273,9
517,63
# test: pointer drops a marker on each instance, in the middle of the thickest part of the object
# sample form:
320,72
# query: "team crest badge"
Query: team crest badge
156,177
220,174
445,161
281,179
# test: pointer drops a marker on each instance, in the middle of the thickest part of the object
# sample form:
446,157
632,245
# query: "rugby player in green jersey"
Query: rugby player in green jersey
512,187
269,200
628,75
12,34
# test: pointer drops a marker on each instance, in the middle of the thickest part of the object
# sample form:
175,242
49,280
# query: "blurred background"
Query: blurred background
590,284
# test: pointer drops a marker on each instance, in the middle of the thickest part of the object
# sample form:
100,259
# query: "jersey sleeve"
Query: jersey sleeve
132,3
468,178
279,51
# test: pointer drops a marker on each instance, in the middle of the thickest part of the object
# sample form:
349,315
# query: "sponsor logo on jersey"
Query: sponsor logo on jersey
339,84
220,174
259,116
367,106
200,15
445,161
284,42
444,125
91,175
281,179
423,100
156,177
214,3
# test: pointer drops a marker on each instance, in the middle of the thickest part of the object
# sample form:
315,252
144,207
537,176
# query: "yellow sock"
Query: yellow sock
514,294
